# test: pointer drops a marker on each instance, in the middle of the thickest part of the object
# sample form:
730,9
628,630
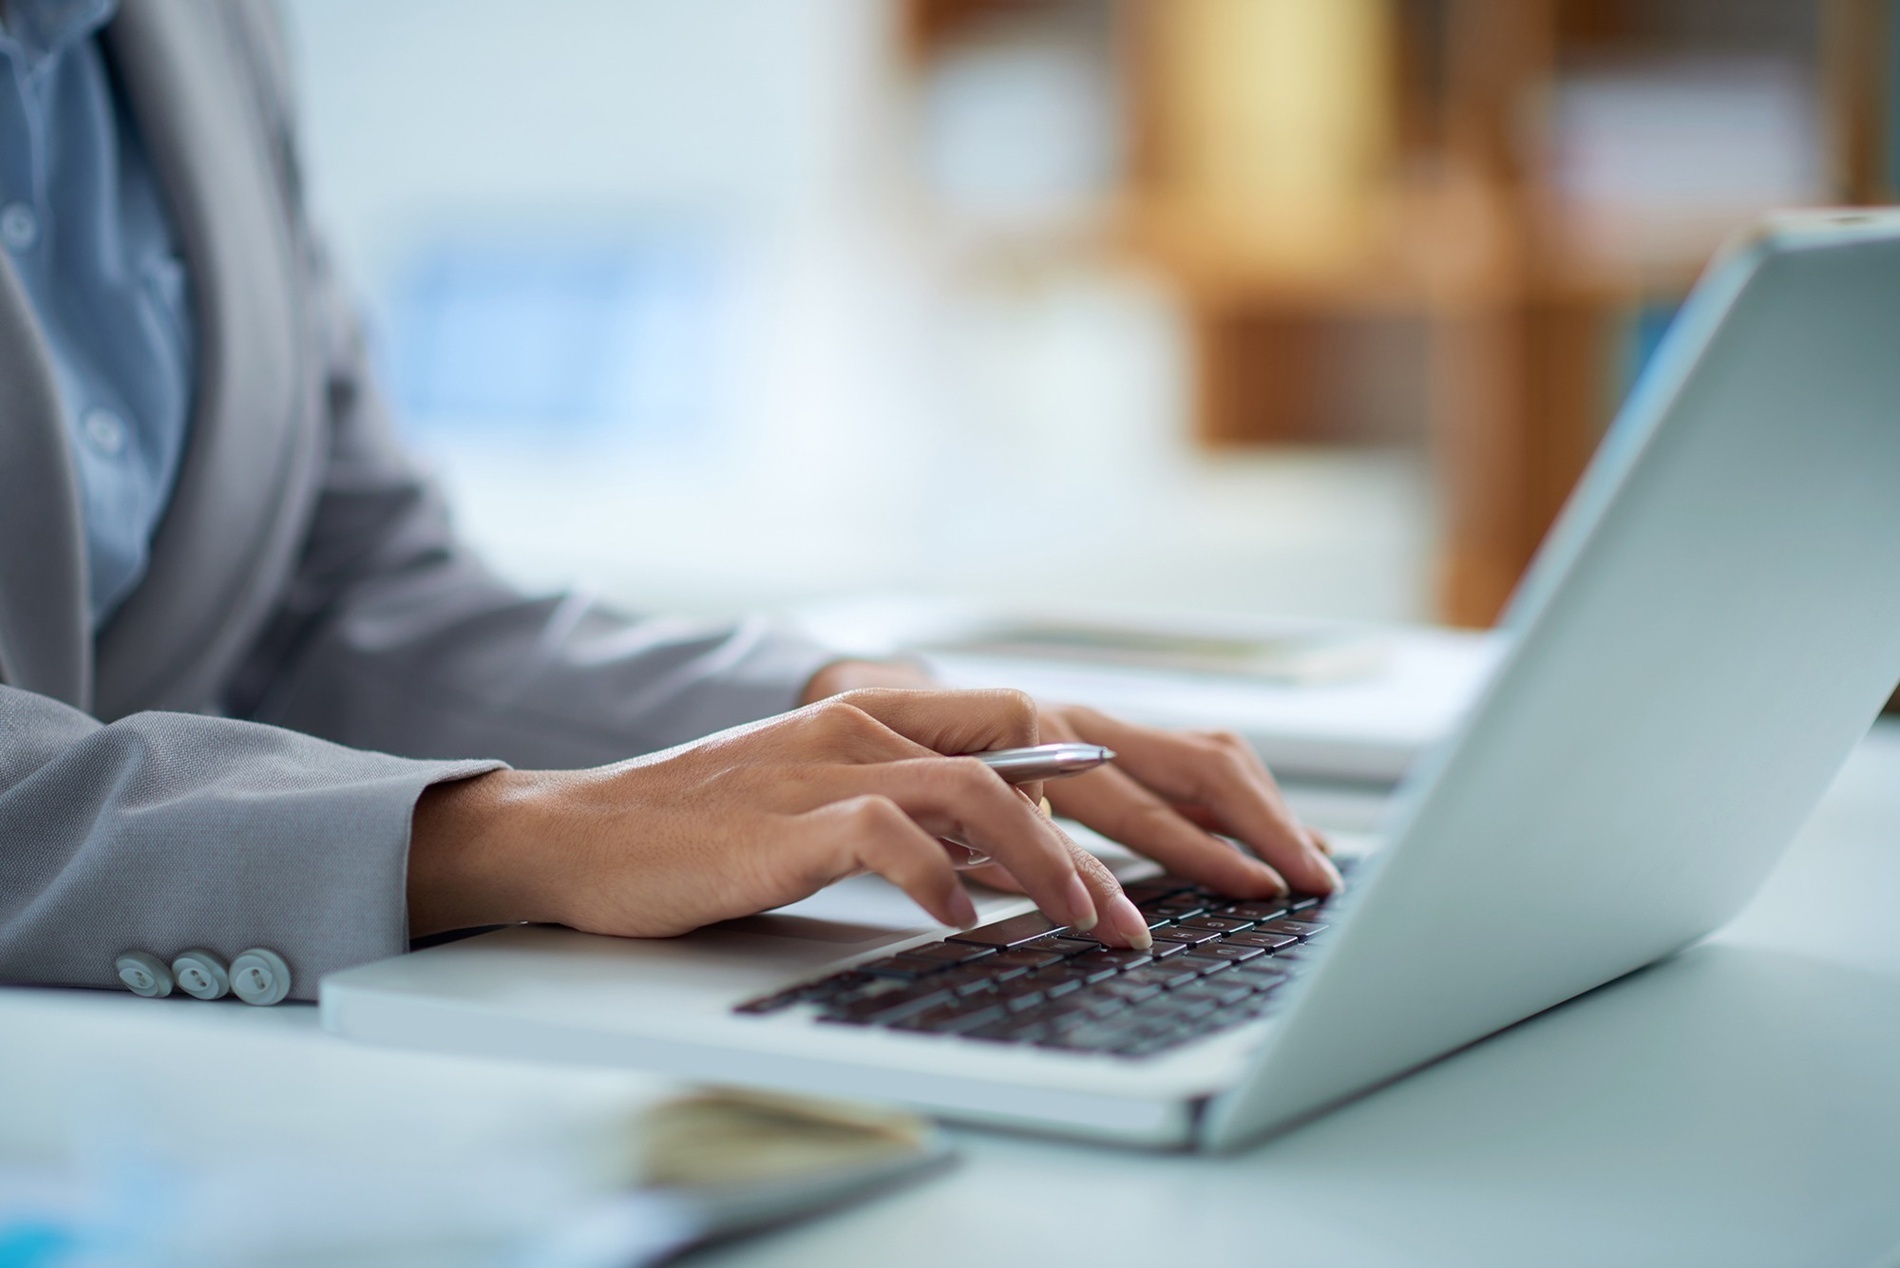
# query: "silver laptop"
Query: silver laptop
1709,629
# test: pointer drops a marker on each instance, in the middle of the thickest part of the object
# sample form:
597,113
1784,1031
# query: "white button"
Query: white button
201,974
104,431
19,227
260,976
144,974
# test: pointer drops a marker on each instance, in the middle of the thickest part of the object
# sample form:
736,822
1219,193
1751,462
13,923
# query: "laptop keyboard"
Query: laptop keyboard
1216,963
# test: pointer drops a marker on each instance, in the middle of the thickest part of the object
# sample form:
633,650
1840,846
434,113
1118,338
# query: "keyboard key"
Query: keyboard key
1166,976
1010,933
903,966
1178,908
887,1006
967,979
1065,946
1130,992
1255,911
1098,1005
835,985
967,1021
1203,964
1155,888
1189,935
1218,924
1228,951
1027,958
1224,992
1058,987
1091,969
1265,941
1303,902
1195,1008
1298,928
951,952
1164,947
1120,959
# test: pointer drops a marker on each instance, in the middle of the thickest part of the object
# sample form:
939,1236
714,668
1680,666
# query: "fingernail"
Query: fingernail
1276,881
1128,921
1326,865
1081,906
962,910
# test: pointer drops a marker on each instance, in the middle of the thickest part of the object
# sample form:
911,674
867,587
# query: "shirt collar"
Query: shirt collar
44,27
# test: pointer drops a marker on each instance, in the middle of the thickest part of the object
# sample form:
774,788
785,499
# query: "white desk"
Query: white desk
1738,1105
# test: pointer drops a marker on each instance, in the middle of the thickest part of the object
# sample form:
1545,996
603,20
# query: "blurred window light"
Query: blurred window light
539,334
1023,129
1687,135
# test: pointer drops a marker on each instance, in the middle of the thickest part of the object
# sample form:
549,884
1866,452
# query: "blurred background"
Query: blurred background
1303,307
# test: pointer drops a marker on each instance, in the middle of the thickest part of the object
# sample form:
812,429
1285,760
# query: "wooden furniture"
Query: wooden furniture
1354,192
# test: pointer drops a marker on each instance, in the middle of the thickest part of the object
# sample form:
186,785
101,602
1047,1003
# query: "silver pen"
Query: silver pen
1045,761
1023,765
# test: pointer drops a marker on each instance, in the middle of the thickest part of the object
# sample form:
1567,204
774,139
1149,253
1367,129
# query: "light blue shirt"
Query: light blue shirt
82,219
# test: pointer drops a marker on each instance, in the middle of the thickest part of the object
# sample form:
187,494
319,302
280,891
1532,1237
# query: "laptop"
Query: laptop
1709,629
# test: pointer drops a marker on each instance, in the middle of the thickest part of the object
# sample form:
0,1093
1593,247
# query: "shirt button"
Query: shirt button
104,432
201,974
144,974
19,227
260,976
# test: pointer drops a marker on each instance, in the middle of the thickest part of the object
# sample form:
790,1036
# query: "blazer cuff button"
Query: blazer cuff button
201,974
260,976
143,974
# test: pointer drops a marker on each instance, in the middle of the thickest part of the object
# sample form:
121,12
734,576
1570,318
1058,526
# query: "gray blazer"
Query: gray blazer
234,760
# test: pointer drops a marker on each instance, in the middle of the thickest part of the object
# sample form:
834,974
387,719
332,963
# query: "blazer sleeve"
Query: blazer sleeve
167,831
392,636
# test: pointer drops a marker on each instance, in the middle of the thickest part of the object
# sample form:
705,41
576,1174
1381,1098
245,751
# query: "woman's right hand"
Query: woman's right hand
757,817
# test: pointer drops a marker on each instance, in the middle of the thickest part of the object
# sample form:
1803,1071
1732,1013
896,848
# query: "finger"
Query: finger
996,876
1121,923
960,797
1221,772
952,722
1118,807
873,834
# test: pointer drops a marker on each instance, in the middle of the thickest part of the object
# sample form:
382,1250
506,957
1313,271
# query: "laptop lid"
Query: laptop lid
1709,629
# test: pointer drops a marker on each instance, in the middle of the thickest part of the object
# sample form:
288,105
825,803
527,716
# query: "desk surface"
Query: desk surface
1737,1105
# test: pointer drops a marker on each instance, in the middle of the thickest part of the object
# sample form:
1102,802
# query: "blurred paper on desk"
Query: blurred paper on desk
226,1138
1292,656
1350,702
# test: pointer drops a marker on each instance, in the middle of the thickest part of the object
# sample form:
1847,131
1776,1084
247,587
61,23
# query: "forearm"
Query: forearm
163,832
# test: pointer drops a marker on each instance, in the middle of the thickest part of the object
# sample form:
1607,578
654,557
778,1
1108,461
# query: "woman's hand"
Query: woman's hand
1165,796
755,818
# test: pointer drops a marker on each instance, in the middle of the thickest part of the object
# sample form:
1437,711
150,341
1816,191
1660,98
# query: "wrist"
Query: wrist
469,855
